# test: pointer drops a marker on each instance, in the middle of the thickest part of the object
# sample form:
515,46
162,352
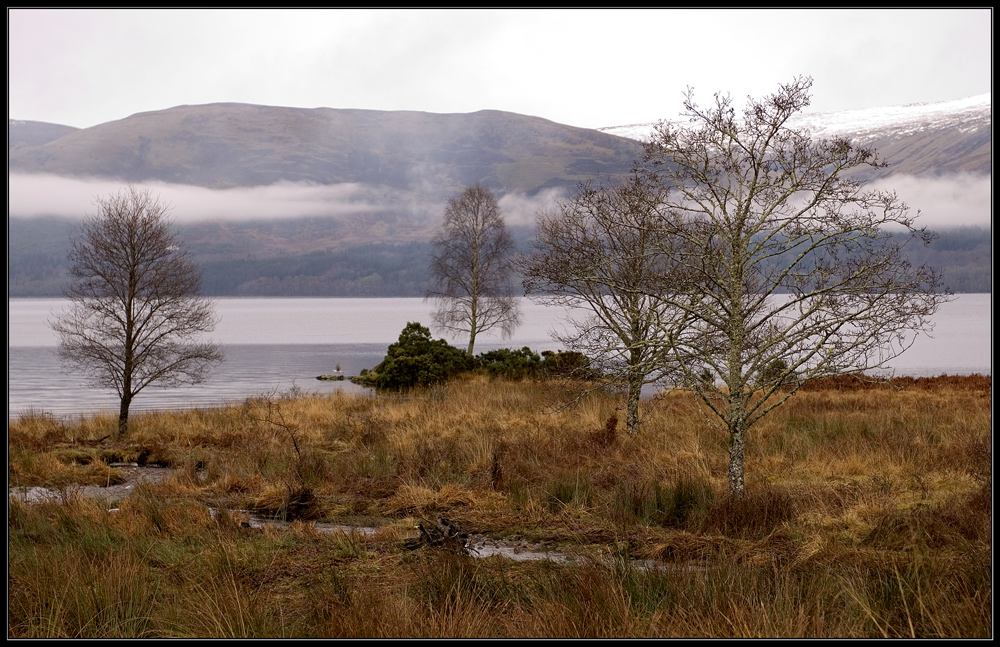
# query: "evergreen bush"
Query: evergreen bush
418,360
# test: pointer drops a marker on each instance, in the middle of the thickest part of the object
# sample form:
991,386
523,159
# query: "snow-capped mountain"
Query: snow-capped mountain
917,139
965,114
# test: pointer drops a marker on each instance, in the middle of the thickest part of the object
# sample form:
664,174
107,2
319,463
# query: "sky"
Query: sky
591,68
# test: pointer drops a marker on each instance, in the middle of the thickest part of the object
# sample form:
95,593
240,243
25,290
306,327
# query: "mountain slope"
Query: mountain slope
292,258
22,134
235,145
916,139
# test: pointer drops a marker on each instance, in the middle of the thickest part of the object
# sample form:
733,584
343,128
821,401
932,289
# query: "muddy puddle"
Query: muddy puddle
107,493
516,550
478,546
252,520
137,474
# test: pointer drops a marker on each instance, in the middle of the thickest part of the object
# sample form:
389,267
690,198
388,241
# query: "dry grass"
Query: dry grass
868,514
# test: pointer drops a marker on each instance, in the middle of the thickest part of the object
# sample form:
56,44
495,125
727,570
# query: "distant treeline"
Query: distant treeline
372,270
37,265
963,254
36,256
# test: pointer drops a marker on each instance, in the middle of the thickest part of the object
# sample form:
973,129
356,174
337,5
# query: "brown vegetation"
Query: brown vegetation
868,513
861,382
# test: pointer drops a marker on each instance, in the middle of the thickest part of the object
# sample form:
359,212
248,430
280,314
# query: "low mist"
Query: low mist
944,202
50,195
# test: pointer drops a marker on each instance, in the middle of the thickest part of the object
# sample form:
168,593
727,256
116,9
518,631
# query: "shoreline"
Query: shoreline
846,382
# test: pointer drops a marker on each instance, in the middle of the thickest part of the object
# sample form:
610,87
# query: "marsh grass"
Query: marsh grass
868,513
683,504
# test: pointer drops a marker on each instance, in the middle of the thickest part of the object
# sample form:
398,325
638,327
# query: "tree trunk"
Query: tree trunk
123,417
632,405
737,444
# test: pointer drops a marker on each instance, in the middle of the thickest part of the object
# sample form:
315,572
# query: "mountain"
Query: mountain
916,139
229,145
25,134
405,157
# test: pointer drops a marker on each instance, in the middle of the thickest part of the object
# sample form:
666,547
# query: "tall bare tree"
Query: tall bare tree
472,268
799,268
605,253
135,317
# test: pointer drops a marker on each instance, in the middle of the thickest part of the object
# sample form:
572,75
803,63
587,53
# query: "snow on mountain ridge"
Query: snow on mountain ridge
866,122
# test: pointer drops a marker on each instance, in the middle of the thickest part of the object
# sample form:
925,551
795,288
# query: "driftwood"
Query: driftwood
444,534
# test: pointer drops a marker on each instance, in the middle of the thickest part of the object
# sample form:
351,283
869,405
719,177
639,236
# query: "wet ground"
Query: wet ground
110,494
478,545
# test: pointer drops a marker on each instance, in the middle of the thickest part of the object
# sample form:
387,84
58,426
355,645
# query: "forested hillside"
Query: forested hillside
964,255
308,257
372,270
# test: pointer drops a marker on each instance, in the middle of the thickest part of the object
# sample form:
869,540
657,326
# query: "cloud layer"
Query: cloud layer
947,201
31,195
958,200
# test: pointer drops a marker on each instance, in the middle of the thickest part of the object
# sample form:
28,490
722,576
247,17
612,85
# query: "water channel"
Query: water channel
478,546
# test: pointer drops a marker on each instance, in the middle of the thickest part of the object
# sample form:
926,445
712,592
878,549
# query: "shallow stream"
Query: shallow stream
479,546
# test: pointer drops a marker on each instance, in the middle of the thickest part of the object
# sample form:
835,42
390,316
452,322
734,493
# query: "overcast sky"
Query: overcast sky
592,68
581,67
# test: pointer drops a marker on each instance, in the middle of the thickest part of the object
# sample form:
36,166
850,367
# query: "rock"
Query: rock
331,377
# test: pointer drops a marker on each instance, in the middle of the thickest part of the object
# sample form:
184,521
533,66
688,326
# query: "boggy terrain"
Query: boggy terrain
868,514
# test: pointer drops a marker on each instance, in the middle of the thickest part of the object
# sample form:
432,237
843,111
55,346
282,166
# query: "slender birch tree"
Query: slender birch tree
605,254
799,270
135,317
472,268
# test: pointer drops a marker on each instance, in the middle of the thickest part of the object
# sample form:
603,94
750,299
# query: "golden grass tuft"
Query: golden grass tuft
417,500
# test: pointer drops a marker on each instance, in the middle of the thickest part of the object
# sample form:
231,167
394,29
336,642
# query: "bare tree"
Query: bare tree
135,317
472,268
605,252
799,269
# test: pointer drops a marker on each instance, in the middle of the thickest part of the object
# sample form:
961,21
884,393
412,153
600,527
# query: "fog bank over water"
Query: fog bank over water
943,201
32,195
963,200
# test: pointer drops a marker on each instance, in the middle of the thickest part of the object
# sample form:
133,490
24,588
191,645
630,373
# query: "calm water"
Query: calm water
273,345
